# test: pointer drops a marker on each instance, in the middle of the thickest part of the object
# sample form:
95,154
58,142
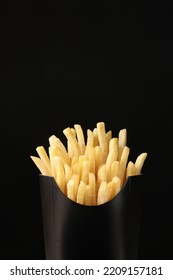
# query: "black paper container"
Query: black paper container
109,231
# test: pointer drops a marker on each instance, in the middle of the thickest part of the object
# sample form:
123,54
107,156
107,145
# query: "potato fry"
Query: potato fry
44,157
102,138
41,166
68,172
112,156
92,183
57,143
99,159
85,171
72,140
114,168
102,175
81,192
80,137
71,190
102,193
60,174
117,182
122,141
87,197
91,157
140,162
131,169
123,163
95,137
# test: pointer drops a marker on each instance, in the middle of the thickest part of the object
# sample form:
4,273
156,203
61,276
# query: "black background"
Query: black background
67,62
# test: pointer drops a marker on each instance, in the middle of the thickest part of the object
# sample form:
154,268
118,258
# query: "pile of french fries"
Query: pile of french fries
89,171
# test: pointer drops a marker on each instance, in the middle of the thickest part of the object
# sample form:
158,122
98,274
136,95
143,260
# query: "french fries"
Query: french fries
89,171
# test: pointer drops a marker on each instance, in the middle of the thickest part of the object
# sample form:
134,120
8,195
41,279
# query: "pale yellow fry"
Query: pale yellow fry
102,175
87,197
71,190
122,141
90,141
108,137
99,158
117,187
102,138
102,193
91,157
44,157
140,162
60,173
123,163
68,172
76,180
53,152
114,168
92,183
85,171
80,137
72,140
81,160
111,186
113,144
75,165
41,166
131,169
57,142
51,139
95,137
112,156
81,192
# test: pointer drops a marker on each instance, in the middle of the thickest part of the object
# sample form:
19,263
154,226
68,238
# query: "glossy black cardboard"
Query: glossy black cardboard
109,231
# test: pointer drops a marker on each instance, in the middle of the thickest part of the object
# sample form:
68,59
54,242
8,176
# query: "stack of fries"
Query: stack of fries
90,172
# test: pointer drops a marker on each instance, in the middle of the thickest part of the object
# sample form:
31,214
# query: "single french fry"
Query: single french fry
101,176
140,162
99,159
90,141
41,165
51,139
44,157
71,190
111,186
123,163
87,197
108,137
102,138
76,179
114,168
92,183
60,174
117,182
75,165
80,137
122,141
102,193
131,169
53,152
95,137
91,157
112,156
68,172
81,192
85,171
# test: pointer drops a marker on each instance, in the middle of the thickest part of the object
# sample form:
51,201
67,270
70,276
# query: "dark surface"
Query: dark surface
63,63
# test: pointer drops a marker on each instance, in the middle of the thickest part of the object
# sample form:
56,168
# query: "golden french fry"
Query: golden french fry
112,156
53,152
122,141
41,166
123,163
90,141
81,192
102,175
80,137
102,193
57,143
131,169
68,172
117,187
71,190
108,137
91,157
140,162
87,197
76,180
85,171
44,157
73,141
95,137
114,168
111,186
60,173
102,138
99,159
92,183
